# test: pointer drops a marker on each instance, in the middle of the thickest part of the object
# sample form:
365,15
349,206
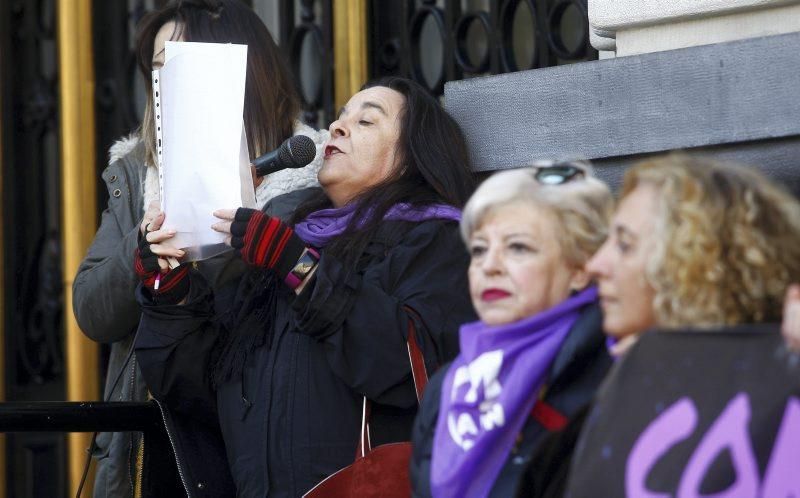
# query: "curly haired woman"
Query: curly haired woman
696,242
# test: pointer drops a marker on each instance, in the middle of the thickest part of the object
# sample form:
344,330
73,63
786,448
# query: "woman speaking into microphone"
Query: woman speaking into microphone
271,371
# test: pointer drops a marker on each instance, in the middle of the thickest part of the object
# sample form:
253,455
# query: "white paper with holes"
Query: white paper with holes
204,164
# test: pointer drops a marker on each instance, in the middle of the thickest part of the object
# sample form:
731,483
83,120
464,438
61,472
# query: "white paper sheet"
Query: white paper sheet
203,146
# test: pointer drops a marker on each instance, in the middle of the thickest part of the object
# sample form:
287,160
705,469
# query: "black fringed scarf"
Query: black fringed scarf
247,325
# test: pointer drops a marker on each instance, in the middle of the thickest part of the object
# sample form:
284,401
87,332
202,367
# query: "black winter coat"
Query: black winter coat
293,416
577,371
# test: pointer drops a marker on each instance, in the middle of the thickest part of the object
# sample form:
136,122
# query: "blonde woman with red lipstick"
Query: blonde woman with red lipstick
538,352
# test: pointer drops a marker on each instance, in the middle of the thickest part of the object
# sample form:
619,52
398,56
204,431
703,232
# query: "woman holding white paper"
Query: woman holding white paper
104,288
282,360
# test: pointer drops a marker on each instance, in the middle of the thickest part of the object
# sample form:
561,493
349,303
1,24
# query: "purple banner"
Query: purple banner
695,414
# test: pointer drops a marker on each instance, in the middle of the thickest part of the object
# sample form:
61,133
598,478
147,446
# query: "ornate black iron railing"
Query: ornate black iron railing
448,40
155,475
89,416
435,41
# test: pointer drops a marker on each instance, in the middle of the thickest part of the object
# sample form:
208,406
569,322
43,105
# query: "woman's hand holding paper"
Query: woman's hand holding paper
154,236
261,240
167,285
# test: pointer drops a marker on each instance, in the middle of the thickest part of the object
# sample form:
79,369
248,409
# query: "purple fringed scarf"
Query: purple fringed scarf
321,226
488,393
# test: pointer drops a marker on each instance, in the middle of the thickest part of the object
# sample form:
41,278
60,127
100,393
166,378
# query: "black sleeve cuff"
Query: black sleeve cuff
199,299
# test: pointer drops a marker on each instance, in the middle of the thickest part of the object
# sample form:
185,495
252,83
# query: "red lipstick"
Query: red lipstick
490,295
331,150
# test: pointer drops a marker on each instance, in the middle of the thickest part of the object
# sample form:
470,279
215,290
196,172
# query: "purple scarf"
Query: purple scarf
321,226
488,393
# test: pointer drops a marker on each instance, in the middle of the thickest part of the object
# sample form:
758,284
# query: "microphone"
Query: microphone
295,152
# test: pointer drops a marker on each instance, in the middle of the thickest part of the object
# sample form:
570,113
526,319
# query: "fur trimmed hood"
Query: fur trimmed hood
122,147
280,182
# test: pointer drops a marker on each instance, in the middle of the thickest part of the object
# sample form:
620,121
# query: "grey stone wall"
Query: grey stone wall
738,100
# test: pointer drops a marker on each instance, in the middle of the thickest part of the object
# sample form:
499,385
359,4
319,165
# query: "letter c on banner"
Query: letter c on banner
671,427
729,431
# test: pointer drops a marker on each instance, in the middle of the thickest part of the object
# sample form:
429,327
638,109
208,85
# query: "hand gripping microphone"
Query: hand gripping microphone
294,152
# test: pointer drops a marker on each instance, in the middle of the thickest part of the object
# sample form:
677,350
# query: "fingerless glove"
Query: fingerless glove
265,242
173,285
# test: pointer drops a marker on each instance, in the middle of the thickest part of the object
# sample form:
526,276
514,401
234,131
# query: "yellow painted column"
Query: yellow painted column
349,48
3,482
78,208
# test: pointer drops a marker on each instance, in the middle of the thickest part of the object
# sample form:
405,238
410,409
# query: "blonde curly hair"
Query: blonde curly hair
727,242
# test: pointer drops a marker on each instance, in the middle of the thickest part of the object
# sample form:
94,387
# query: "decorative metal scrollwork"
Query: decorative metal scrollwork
309,42
40,348
510,53
428,17
446,40
556,20
39,106
35,302
464,57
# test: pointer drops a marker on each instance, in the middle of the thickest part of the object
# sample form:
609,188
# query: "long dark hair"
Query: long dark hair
434,167
271,104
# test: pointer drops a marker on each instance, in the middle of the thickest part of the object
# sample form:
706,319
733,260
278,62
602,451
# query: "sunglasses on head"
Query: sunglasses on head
556,173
